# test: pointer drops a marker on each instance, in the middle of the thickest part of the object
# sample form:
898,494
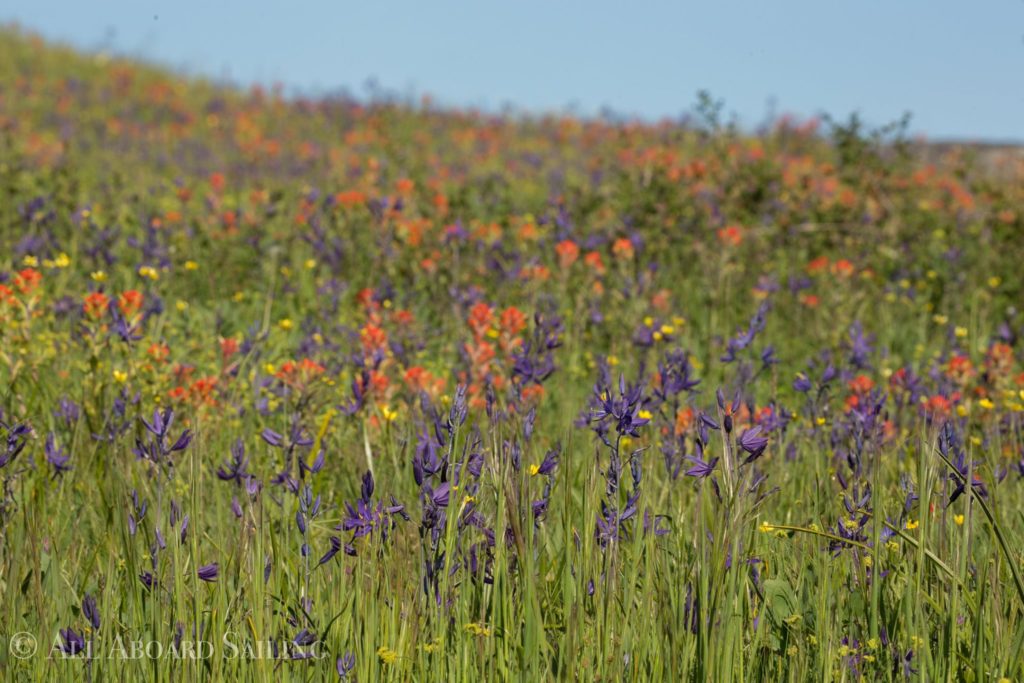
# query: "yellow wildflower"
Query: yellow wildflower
478,630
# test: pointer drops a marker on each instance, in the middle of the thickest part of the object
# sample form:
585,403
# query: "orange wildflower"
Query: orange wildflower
95,305
480,319
130,302
533,394
938,406
349,198
228,347
817,265
623,249
373,338
861,384
594,261
684,420
27,280
416,378
999,358
567,252
513,321
218,182
810,300
730,236
843,268
960,369
158,352
661,300
201,390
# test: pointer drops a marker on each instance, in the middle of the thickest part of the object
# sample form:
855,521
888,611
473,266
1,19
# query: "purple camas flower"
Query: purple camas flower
68,411
15,438
700,468
148,580
137,514
304,638
271,437
90,611
233,468
753,443
127,333
674,376
363,518
547,466
209,572
744,338
622,410
439,496
951,448
860,346
345,664
72,643
332,551
315,466
56,456
157,449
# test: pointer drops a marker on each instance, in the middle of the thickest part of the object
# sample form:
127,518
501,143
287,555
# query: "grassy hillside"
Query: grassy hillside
308,389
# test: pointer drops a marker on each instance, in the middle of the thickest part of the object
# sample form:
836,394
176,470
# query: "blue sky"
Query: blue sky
957,66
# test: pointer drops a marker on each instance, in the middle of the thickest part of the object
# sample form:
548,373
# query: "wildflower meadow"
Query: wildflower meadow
320,389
